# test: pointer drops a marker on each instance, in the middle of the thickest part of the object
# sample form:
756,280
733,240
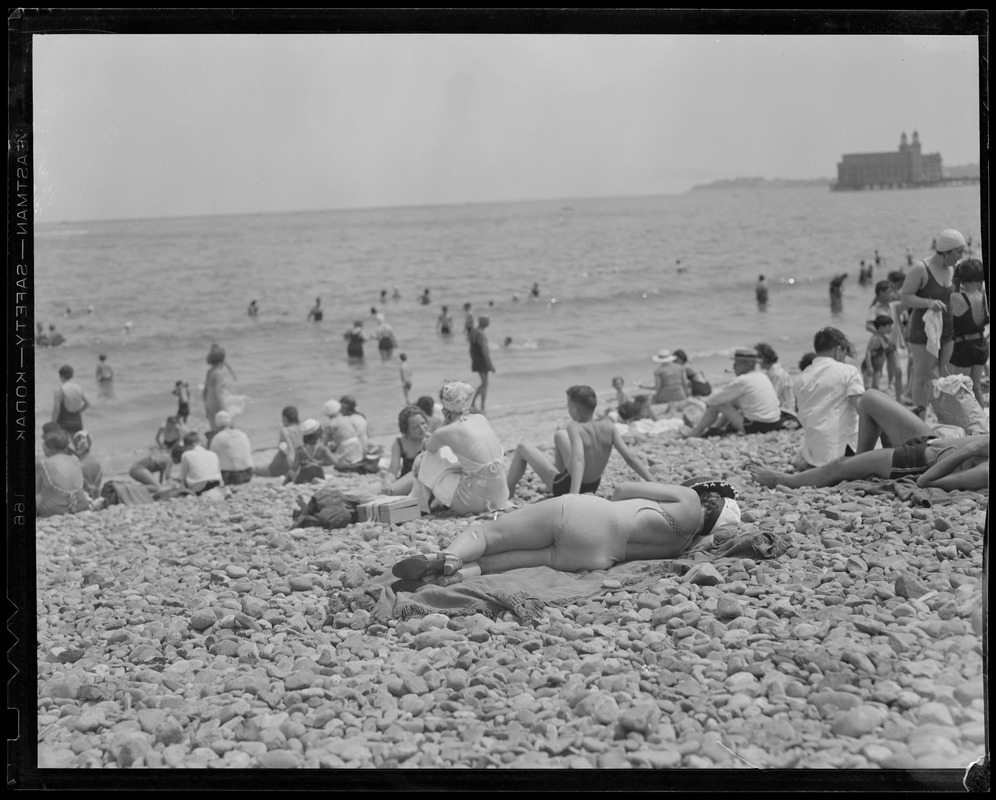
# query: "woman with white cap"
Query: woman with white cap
927,291
576,532
470,478
670,382
341,436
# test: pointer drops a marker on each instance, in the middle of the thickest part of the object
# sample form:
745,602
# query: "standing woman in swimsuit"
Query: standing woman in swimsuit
70,402
928,287
642,521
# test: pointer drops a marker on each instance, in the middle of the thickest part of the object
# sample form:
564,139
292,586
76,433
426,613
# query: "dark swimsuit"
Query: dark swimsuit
69,421
406,462
970,347
562,485
933,290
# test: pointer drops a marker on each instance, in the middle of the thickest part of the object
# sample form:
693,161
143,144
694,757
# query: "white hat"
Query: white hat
729,519
949,240
309,426
331,408
222,418
663,357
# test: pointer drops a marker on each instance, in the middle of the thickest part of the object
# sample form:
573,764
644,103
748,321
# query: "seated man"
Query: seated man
935,462
581,451
200,469
828,394
749,403
233,449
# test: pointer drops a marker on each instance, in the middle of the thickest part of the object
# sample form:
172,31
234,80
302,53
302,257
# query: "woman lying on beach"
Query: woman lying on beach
476,481
935,462
585,532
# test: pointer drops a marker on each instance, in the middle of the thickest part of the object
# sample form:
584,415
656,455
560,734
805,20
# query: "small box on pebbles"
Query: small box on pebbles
389,509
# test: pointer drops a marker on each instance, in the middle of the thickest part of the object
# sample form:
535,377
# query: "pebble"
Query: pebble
189,634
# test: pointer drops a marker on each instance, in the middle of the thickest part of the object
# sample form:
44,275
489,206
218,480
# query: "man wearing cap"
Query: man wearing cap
927,291
233,449
828,394
749,403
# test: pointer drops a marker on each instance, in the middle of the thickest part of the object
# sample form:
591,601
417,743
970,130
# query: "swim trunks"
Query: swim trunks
910,458
562,485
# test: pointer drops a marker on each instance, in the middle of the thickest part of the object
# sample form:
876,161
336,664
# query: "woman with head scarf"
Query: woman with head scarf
92,473
463,465
642,521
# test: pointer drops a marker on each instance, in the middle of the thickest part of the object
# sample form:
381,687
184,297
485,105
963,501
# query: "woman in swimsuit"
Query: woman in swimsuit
582,532
970,315
477,481
398,478
59,481
928,288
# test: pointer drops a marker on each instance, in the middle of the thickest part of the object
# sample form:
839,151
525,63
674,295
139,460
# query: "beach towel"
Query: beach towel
127,494
933,323
954,403
527,592
906,490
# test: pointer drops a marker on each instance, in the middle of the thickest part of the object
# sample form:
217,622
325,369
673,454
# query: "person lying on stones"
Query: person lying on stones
945,463
575,532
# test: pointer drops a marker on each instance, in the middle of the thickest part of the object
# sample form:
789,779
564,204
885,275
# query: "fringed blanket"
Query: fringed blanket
527,592
906,490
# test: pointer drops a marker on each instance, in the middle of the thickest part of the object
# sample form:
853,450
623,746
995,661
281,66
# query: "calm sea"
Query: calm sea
619,279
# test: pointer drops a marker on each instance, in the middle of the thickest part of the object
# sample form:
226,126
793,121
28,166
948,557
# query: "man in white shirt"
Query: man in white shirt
828,394
233,449
200,469
749,403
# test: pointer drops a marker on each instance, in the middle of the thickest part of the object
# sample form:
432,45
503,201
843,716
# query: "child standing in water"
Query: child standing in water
406,376
182,392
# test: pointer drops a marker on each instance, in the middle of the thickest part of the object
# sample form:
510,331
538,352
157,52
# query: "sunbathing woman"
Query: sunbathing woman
582,532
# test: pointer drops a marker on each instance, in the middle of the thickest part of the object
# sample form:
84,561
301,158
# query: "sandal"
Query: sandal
417,567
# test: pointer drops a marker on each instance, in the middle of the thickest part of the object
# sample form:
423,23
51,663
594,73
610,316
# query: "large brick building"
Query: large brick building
905,167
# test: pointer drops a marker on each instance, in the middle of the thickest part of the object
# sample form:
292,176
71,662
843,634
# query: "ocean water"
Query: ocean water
619,279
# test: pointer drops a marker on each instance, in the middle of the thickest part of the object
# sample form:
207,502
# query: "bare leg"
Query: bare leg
924,369
873,464
528,455
895,374
482,390
521,538
879,414
705,421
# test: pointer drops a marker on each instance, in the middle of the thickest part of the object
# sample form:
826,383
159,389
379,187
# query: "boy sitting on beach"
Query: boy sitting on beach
581,450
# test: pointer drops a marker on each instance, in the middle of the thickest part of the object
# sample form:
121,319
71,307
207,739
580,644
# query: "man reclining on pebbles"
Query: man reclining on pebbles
947,464
581,451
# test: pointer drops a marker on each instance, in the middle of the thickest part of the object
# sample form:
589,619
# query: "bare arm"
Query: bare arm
973,479
57,405
975,447
635,463
395,466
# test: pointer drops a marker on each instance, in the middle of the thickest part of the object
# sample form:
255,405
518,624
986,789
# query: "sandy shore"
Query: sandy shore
193,633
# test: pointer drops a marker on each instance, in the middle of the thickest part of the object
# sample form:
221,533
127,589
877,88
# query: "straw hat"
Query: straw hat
664,357
309,426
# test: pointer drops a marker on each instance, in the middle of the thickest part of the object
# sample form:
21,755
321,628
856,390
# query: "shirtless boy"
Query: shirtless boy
581,451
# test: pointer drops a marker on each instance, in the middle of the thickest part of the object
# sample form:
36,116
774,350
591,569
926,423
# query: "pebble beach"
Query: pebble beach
199,633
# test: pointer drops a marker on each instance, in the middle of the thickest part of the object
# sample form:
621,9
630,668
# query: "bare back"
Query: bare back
596,437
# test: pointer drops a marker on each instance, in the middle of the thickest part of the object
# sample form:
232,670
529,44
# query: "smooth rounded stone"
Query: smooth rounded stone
202,618
908,587
235,571
831,702
703,575
280,759
432,622
934,712
600,706
729,608
858,721
353,576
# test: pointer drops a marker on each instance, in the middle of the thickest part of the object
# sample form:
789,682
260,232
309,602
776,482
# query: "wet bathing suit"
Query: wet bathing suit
406,462
934,291
915,457
562,485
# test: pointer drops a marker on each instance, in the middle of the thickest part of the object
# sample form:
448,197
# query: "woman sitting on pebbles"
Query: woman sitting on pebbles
289,441
397,479
584,532
92,472
59,481
474,480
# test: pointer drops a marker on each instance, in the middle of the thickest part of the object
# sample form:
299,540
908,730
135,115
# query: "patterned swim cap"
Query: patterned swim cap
82,443
456,396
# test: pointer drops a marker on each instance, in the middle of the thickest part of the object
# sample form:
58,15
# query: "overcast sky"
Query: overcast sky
179,125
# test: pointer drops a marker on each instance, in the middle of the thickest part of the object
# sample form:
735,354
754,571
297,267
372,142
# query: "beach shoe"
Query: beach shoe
416,567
